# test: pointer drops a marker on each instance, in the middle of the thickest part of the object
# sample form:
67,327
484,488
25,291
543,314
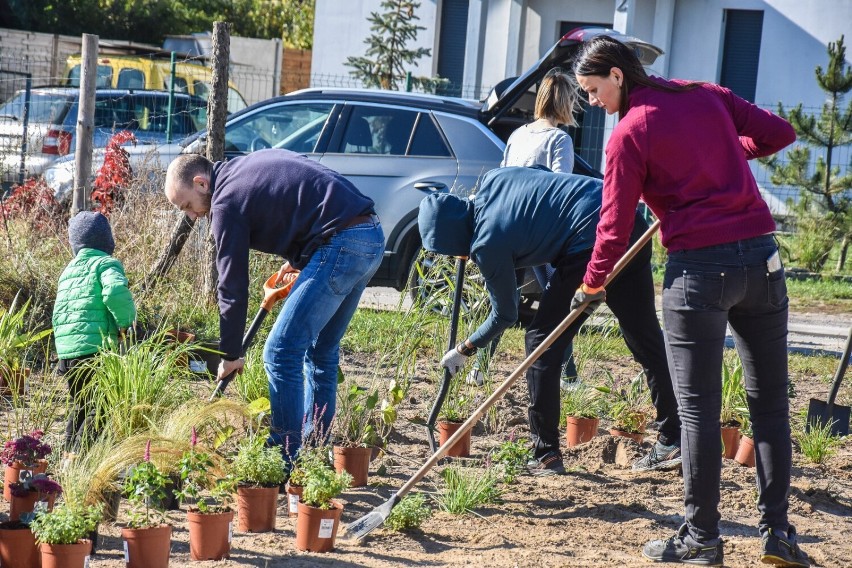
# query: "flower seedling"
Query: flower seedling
39,483
194,468
145,488
27,450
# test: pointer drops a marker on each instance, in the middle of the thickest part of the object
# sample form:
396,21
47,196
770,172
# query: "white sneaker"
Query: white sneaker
475,377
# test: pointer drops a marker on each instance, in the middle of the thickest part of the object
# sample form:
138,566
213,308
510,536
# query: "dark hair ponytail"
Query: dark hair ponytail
600,54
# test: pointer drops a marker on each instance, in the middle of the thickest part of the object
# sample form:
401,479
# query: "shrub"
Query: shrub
322,484
66,524
409,513
257,465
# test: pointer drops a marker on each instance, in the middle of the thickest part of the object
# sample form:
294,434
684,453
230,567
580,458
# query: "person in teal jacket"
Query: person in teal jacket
93,304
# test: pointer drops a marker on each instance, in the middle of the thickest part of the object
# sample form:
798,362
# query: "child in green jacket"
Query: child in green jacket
93,303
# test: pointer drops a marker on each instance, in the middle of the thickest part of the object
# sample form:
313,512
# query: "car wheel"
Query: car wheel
431,282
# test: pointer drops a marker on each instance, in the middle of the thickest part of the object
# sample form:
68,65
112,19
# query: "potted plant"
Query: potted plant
354,429
745,452
210,524
299,476
18,547
319,513
733,400
628,408
454,412
30,490
61,535
259,472
147,537
25,453
580,410
14,340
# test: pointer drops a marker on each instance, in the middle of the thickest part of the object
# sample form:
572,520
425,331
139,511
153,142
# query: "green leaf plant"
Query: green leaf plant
66,524
257,465
198,481
145,489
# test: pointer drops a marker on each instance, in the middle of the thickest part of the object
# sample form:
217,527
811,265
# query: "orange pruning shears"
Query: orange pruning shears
271,296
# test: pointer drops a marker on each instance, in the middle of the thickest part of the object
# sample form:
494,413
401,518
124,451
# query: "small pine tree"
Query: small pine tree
383,64
824,192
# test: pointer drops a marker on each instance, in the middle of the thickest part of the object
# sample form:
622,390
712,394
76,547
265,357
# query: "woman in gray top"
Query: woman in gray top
542,143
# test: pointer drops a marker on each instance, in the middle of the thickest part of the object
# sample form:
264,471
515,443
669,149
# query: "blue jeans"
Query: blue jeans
705,290
302,350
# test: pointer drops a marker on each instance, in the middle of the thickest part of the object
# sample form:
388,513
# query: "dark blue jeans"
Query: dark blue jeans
705,290
630,296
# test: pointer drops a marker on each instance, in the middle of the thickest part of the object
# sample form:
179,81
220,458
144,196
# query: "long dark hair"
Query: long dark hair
599,55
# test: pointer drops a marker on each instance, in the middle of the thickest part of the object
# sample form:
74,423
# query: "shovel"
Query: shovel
271,296
454,324
361,527
821,413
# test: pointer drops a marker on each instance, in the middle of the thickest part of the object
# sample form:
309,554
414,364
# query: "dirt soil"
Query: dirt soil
599,514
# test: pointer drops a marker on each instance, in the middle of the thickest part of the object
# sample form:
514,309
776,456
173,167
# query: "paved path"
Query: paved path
809,332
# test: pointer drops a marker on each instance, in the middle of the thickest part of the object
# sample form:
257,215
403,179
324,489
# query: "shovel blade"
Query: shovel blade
359,528
818,414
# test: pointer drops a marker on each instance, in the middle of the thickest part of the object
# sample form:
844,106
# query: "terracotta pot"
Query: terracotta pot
13,381
65,555
460,449
635,436
580,430
13,472
178,336
356,461
316,529
210,535
256,508
21,505
294,495
745,453
17,546
147,548
730,441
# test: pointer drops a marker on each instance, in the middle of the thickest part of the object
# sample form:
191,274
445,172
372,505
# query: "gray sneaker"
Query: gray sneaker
660,457
780,549
676,549
548,464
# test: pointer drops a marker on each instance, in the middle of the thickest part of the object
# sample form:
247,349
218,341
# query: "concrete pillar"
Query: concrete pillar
474,44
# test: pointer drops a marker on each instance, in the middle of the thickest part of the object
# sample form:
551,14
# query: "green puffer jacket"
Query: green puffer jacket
92,303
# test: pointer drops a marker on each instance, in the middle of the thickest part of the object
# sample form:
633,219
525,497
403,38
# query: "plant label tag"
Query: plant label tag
230,532
86,562
293,502
126,553
326,527
773,263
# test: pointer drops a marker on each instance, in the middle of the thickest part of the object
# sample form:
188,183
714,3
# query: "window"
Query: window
103,81
741,51
131,79
43,107
295,127
427,141
201,89
378,130
452,45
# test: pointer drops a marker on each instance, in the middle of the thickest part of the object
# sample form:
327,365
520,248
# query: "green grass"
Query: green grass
825,290
467,488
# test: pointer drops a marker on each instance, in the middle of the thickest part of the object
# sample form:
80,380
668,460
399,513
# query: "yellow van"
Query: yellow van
139,72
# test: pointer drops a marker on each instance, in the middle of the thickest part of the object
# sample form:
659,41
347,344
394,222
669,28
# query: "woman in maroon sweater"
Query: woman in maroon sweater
682,148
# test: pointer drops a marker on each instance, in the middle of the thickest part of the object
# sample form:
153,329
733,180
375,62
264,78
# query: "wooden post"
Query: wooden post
217,114
85,125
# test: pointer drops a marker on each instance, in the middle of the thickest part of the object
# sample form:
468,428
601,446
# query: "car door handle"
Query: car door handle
430,186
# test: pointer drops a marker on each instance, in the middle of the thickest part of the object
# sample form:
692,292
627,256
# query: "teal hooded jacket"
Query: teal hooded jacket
93,302
519,217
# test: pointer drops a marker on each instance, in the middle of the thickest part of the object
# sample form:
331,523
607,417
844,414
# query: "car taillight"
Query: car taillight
56,142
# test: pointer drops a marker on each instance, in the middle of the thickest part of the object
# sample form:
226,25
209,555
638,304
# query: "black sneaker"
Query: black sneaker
676,549
659,457
781,550
548,464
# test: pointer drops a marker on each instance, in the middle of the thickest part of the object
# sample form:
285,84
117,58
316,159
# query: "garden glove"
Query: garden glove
454,359
591,297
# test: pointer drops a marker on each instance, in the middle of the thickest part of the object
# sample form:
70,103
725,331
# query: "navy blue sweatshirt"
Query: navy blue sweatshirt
277,202
520,217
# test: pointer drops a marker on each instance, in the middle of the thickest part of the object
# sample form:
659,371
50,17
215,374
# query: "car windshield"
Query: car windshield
295,127
44,107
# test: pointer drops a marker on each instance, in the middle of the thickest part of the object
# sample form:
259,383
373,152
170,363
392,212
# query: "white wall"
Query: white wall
340,29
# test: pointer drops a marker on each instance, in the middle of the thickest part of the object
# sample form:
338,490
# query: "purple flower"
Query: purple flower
147,456
193,439
40,483
27,449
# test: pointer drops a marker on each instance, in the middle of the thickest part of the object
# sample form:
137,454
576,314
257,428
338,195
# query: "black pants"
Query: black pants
631,298
704,291
81,417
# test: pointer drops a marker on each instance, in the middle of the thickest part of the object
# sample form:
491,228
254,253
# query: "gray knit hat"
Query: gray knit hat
90,229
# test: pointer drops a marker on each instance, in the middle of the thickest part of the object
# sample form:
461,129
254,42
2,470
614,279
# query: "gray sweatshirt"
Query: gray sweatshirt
530,145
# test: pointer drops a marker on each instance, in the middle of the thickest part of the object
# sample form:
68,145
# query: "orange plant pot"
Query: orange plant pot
21,505
13,381
638,437
210,535
580,430
460,449
147,548
256,508
294,495
13,472
355,461
745,453
730,441
316,529
65,555
18,547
